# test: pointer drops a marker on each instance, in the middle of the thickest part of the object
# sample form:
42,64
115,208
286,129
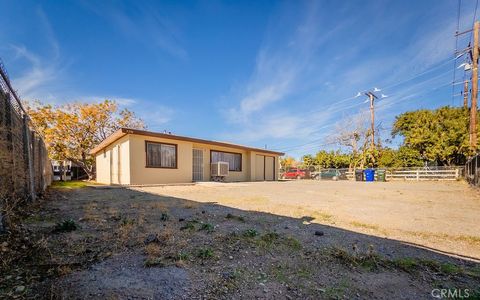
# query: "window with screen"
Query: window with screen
161,155
234,159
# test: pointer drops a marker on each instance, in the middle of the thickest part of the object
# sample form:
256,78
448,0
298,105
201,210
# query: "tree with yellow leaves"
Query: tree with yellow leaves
71,130
287,162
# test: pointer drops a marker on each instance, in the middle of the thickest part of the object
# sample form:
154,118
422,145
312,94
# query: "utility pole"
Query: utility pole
465,94
372,98
473,106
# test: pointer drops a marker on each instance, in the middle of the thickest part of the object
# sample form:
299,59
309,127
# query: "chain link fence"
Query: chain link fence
472,170
25,170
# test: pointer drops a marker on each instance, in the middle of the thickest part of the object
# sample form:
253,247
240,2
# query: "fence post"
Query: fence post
40,166
467,171
28,155
475,177
10,164
418,175
10,148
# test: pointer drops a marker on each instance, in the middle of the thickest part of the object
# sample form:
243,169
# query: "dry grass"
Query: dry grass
322,216
364,225
153,250
159,205
249,201
192,205
471,240
64,270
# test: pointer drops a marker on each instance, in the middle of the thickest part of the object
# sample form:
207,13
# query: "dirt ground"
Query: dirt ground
272,240
443,216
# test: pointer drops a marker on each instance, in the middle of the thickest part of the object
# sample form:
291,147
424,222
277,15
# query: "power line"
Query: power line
456,48
416,84
336,103
420,74
301,146
473,22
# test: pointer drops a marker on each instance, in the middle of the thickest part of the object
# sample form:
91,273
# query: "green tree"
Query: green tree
308,161
323,158
332,159
439,135
402,157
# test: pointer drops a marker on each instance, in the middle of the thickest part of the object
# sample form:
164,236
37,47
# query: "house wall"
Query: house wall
243,175
140,174
120,173
257,164
133,170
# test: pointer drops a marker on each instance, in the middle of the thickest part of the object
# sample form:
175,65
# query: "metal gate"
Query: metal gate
197,165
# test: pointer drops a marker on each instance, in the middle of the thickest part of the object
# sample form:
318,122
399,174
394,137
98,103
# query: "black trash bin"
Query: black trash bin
358,175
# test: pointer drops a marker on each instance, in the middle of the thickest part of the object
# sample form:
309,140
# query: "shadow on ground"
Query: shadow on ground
123,243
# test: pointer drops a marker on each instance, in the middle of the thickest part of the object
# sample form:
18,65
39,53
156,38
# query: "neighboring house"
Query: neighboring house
67,170
132,156
62,170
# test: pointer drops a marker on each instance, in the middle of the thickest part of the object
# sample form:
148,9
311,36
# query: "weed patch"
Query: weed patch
293,243
182,256
190,225
407,264
235,217
164,217
250,233
368,260
154,262
127,222
66,226
205,253
269,238
207,227
338,291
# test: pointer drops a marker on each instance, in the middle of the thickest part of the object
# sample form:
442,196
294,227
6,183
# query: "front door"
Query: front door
197,165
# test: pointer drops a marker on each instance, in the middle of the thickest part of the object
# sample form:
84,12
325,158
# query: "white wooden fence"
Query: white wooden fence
418,174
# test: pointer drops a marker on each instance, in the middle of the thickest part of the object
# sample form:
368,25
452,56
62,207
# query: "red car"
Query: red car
295,173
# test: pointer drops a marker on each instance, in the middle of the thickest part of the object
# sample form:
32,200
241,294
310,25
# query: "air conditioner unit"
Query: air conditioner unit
219,169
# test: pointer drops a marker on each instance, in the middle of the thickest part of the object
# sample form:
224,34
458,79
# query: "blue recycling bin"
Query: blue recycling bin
369,174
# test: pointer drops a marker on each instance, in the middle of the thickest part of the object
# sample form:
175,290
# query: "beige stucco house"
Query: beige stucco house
132,156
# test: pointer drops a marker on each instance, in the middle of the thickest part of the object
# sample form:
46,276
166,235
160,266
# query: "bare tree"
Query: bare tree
353,133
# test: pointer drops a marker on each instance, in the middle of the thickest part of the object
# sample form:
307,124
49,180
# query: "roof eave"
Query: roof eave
124,131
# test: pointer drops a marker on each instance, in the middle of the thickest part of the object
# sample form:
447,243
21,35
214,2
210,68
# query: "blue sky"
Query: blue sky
281,74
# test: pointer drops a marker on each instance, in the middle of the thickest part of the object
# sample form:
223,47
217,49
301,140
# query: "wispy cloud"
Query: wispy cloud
143,23
43,71
278,66
277,102
38,75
